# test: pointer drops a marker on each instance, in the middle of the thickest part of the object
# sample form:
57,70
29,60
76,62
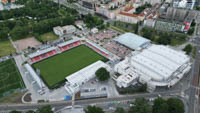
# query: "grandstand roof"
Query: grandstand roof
85,74
34,75
41,52
132,41
100,48
68,42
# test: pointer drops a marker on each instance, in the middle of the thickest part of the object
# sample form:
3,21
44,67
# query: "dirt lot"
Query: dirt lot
25,43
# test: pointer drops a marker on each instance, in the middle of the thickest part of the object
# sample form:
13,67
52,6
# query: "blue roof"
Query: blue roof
132,41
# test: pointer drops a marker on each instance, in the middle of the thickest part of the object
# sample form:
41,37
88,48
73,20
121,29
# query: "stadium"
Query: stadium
51,67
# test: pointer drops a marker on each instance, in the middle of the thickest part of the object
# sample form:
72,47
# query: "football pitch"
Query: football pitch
10,78
54,69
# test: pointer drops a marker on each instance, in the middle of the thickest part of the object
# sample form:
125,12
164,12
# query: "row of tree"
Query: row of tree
141,105
44,109
162,37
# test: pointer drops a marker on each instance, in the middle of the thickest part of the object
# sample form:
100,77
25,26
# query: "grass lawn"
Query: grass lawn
175,42
117,29
6,48
10,78
48,36
54,69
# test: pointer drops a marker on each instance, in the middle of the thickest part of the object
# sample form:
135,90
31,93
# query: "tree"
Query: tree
93,109
140,106
119,110
102,74
191,31
45,109
3,35
188,49
15,111
175,105
160,106
136,28
30,111
108,24
143,88
193,23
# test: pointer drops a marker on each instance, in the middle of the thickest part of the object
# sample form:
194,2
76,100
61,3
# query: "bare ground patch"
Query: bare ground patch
25,43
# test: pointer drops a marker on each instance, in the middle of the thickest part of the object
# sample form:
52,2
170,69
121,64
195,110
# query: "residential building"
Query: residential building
91,4
6,1
174,19
188,4
113,8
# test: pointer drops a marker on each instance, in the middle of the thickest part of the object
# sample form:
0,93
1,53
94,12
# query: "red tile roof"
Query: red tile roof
128,9
128,14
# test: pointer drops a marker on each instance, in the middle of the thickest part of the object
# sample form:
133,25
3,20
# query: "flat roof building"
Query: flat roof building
77,79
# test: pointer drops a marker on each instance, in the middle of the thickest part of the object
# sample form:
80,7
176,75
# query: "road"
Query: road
193,103
61,104
78,7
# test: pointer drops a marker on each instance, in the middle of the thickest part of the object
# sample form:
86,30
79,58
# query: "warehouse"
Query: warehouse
156,65
133,41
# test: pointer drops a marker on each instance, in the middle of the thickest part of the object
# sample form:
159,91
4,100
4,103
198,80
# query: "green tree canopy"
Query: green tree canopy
45,109
188,49
30,111
102,74
140,106
15,111
175,106
93,109
120,110
160,106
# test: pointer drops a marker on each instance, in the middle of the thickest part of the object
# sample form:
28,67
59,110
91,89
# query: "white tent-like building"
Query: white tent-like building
133,41
77,79
156,65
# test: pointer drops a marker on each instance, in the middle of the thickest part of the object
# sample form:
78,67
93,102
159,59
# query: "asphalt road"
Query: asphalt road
61,104
193,103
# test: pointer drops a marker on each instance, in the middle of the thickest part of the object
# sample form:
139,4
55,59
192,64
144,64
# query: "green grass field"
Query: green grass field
10,78
54,69
6,48
48,36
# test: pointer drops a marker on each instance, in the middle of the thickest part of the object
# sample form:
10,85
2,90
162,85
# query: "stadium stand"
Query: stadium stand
69,44
46,53
97,48
43,54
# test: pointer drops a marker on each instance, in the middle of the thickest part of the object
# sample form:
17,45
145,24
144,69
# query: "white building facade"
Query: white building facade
156,65
77,79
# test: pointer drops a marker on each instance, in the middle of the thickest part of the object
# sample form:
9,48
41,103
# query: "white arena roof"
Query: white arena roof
158,65
132,41
159,62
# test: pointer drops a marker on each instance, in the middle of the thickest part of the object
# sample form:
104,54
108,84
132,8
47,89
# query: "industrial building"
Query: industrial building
133,41
156,65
